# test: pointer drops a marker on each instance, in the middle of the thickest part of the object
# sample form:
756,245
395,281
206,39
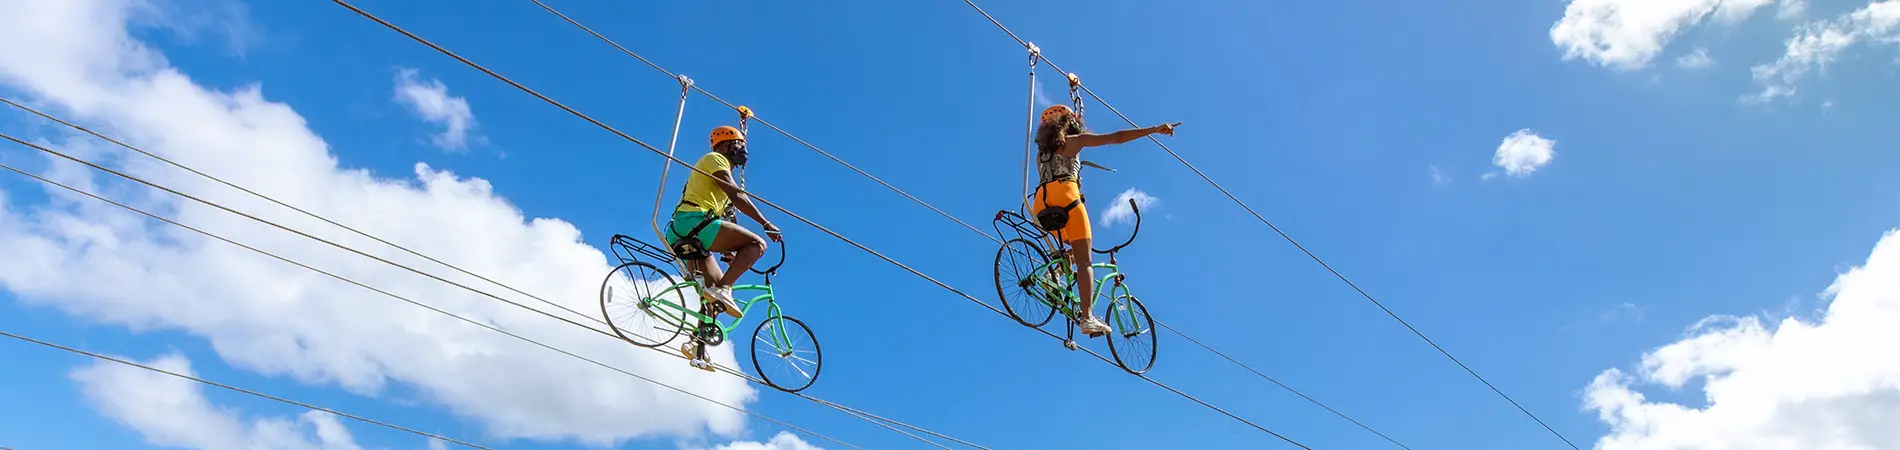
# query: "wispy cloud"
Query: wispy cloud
1625,312
1816,45
1695,60
1119,210
1438,175
1522,153
431,101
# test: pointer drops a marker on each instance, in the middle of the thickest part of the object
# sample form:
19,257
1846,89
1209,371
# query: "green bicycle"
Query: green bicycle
1043,283
647,307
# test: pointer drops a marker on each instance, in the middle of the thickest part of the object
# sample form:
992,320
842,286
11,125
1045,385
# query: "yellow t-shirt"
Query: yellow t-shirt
704,191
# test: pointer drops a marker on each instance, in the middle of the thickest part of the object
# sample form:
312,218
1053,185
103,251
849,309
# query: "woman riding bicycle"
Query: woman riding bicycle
702,217
1059,143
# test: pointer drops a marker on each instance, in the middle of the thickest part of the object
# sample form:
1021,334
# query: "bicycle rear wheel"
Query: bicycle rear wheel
789,348
1132,341
628,300
1016,274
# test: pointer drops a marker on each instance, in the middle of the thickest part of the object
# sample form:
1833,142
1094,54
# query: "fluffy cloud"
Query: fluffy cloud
1828,383
1628,34
430,100
1522,153
101,264
1118,210
1816,45
782,441
173,412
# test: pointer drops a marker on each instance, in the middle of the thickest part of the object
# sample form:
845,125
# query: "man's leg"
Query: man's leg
748,247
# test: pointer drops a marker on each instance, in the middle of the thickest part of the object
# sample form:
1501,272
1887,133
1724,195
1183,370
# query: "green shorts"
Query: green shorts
684,221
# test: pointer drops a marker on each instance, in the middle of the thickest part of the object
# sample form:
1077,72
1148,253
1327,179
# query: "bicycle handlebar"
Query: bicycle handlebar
781,259
1131,236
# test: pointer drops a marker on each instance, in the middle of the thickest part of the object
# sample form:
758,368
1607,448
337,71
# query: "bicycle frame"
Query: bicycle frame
625,247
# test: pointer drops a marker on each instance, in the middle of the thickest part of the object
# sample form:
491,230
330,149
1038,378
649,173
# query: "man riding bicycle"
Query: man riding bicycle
704,219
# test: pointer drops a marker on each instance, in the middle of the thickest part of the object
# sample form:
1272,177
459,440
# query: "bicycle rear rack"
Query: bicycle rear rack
1018,224
625,247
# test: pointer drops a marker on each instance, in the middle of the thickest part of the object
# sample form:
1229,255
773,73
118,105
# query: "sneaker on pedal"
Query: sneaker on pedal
723,295
691,351
1094,327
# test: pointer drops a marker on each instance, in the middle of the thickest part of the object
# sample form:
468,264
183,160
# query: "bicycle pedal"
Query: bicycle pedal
1071,345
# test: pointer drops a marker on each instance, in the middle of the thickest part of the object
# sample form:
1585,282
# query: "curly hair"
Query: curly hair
1050,136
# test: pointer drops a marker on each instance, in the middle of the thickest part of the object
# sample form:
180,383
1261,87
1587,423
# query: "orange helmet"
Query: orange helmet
1053,113
726,133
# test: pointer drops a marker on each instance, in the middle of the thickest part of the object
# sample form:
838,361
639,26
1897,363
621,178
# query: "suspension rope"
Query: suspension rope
794,215
1336,274
603,333
1035,56
241,390
1029,135
413,302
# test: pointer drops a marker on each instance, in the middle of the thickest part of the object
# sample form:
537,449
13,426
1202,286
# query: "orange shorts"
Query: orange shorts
1056,194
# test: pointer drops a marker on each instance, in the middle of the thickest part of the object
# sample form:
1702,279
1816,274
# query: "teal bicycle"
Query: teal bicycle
647,307
1035,282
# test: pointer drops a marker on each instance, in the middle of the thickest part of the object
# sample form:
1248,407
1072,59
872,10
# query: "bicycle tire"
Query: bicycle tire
608,297
818,356
1121,345
1024,311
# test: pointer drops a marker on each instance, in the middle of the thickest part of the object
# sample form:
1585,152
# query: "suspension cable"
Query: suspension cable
762,121
240,390
1034,57
1336,274
417,303
401,266
794,215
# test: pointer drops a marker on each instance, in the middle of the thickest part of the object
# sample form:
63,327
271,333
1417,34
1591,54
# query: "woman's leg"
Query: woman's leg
1084,277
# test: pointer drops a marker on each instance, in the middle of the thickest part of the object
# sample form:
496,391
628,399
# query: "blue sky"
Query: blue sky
1370,131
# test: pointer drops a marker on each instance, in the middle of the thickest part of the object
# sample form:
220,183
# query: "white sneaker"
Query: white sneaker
723,295
1093,326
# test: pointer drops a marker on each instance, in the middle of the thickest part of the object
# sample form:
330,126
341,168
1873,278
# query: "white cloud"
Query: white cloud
1816,45
1438,175
1826,383
782,441
173,412
1118,210
430,100
101,264
1628,34
1522,153
1695,60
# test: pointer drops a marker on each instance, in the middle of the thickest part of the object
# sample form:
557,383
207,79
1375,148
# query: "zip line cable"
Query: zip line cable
1289,238
849,411
761,121
412,302
762,200
240,390
1035,55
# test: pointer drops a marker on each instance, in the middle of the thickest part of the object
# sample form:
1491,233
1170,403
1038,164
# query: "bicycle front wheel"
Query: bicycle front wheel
787,347
629,299
1132,341
1020,265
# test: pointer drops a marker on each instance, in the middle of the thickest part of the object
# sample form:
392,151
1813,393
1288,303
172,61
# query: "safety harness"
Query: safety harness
1052,218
